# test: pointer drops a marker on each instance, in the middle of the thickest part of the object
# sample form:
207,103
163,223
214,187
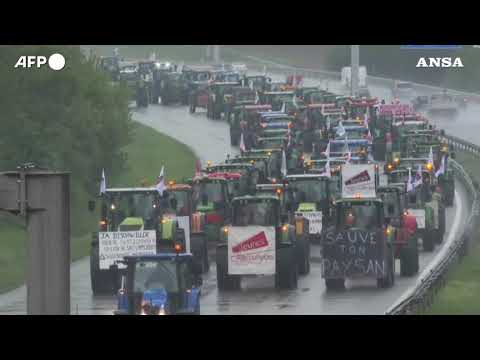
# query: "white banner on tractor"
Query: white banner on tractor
314,221
115,245
358,180
251,250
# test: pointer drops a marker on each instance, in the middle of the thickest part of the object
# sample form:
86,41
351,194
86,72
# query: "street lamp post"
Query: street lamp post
355,64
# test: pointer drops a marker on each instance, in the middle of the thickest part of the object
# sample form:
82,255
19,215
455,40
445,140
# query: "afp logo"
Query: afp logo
55,62
445,62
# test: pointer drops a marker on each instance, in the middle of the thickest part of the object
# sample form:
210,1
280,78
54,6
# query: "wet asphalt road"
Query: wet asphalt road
209,139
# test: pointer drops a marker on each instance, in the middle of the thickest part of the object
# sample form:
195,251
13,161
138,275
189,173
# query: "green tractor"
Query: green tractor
425,205
308,196
239,97
219,93
211,199
175,89
358,244
257,242
245,113
178,205
241,176
130,222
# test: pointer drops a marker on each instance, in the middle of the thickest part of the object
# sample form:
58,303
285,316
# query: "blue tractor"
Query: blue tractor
162,284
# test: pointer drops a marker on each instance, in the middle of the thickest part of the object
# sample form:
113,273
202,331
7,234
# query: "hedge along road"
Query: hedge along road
210,141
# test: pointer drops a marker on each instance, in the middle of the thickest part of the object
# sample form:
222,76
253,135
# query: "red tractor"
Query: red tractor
402,227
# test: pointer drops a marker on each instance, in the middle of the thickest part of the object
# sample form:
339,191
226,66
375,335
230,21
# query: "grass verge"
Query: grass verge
146,155
461,294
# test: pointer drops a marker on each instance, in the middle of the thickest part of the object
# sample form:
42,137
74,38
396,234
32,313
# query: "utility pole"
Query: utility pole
43,198
216,54
355,60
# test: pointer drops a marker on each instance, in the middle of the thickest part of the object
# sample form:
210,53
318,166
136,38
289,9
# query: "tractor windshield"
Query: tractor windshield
391,204
122,205
154,275
176,203
211,191
261,212
361,215
308,190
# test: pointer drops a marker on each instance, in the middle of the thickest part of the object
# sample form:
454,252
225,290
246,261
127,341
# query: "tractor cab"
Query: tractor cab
308,193
277,98
165,284
276,142
211,198
244,117
241,177
260,83
360,107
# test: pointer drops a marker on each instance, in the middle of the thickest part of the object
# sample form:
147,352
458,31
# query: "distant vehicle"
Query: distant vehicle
363,92
443,104
240,68
347,76
403,90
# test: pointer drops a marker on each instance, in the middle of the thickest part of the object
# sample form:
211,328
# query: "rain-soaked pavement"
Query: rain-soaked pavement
210,140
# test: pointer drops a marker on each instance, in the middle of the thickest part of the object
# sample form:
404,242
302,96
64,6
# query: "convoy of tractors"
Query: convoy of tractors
366,182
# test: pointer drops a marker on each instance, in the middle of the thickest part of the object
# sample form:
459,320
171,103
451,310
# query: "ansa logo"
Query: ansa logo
256,241
439,62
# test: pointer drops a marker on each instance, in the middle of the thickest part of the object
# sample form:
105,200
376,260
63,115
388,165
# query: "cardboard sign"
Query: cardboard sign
251,250
358,180
314,221
419,216
353,253
115,245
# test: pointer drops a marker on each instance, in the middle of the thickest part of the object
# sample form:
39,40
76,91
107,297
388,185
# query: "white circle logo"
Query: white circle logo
56,62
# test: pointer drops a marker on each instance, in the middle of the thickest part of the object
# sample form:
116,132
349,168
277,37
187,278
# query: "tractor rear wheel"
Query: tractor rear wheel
287,269
225,281
199,247
428,240
335,284
303,246
192,107
409,263
389,280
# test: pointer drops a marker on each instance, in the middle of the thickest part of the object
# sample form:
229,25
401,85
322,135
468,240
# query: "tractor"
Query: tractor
130,222
163,284
257,242
243,118
175,89
405,243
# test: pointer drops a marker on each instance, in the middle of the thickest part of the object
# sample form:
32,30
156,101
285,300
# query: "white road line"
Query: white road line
453,234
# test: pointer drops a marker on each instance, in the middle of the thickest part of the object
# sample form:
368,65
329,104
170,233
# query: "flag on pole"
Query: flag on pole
409,182
264,69
369,137
242,143
284,163
257,99
418,177
284,108
327,171
103,184
328,123
327,151
161,187
341,130
441,170
430,156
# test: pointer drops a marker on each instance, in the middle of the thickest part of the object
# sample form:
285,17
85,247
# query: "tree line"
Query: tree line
70,120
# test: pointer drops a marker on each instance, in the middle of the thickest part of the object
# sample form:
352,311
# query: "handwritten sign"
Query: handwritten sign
353,253
314,221
114,246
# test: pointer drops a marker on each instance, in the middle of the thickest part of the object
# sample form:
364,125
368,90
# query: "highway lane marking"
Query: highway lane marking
441,254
